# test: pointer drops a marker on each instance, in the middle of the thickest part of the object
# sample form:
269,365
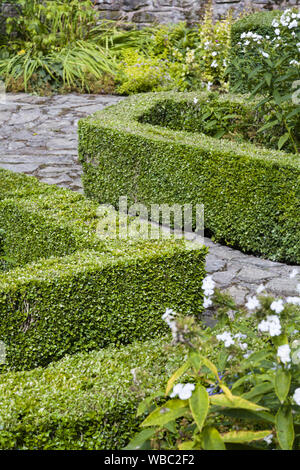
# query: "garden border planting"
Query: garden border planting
251,194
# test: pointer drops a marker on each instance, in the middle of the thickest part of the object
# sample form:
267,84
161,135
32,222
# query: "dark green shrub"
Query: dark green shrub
251,194
85,401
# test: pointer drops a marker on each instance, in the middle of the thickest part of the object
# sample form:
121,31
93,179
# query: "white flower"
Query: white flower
226,338
265,54
208,286
214,54
184,391
207,302
271,325
268,439
277,32
293,300
283,353
253,303
293,273
260,289
293,24
296,396
195,100
277,306
275,24
214,64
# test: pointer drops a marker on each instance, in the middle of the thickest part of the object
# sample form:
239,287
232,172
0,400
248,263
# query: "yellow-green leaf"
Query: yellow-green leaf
235,402
169,411
244,436
179,372
188,445
199,405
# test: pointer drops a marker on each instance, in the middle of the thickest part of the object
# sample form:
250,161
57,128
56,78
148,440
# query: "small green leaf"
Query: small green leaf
283,140
282,383
199,405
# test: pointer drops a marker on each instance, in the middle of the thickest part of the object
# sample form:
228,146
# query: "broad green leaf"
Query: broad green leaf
169,411
146,404
140,439
282,383
211,367
179,372
285,428
199,405
236,402
211,439
244,436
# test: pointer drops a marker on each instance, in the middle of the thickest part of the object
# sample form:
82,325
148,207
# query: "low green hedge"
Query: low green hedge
80,292
251,194
86,401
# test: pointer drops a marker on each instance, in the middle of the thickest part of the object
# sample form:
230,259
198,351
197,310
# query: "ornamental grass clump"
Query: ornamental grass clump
239,387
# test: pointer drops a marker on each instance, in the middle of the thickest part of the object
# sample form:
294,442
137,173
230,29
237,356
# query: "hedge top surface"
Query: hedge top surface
124,117
84,384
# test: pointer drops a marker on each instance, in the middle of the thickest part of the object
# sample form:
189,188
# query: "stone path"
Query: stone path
39,137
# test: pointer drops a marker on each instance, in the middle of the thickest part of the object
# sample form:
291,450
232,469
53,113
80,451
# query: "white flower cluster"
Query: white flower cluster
250,36
208,286
288,19
183,391
228,339
271,325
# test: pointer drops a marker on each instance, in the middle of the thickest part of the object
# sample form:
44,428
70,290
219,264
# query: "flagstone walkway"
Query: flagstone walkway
38,136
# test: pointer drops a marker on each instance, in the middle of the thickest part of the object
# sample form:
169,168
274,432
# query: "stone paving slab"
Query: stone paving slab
39,137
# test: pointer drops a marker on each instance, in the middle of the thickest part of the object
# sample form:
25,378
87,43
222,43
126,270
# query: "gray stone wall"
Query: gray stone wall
145,12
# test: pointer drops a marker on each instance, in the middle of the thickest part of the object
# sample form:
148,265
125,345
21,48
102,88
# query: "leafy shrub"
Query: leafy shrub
85,401
57,43
276,76
258,23
246,398
250,194
83,292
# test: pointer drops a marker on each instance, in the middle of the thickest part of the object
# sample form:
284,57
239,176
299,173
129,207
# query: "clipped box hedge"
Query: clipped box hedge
85,401
78,292
251,194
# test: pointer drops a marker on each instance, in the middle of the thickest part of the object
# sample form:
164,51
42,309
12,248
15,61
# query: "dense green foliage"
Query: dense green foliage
85,401
250,194
60,45
83,292
258,23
